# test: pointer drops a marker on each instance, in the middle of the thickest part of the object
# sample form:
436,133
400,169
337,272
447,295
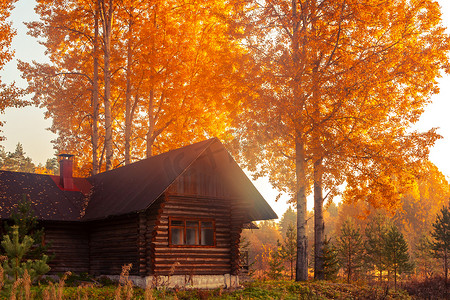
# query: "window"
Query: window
191,232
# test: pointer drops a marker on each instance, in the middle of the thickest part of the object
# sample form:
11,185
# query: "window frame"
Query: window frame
199,231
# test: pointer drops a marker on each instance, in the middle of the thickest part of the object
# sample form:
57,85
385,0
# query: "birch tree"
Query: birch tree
129,79
335,87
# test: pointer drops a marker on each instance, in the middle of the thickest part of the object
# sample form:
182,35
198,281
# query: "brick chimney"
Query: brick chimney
66,171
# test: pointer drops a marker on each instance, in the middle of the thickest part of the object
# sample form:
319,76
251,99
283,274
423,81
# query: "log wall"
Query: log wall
200,193
114,242
151,222
167,260
68,247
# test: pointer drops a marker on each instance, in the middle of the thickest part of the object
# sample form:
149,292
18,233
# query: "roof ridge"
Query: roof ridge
210,141
207,142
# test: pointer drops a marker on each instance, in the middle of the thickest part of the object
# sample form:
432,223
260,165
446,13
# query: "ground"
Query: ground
80,288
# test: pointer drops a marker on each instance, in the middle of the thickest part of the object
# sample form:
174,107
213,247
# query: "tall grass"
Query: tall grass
21,288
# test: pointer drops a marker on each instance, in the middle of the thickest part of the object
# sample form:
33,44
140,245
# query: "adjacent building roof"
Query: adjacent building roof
49,202
127,189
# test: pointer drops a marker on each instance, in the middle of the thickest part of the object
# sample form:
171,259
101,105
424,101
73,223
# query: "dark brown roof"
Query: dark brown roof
136,186
128,189
49,202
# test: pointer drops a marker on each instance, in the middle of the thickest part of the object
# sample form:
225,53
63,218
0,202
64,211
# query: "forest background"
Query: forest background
203,55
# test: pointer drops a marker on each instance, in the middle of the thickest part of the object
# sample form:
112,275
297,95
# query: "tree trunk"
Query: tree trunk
128,96
150,139
107,27
301,272
319,226
395,278
151,125
302,240
292,268
349,264
446,267
95,101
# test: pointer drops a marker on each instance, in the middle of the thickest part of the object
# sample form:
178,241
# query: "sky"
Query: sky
28,126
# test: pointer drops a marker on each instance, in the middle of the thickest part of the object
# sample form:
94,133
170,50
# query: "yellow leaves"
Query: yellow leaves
43,170
180,53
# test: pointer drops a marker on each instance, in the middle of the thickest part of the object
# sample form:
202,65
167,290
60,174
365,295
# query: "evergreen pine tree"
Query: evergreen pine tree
375,234
330,260
2,157
396,253
17,161
441,235
350,248
424,256
15,264
289,248
289,218
24,218
275,263
52,165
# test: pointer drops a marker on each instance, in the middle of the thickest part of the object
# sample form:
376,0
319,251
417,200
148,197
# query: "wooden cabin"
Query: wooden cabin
176,217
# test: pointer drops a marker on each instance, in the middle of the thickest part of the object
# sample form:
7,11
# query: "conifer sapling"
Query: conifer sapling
15,264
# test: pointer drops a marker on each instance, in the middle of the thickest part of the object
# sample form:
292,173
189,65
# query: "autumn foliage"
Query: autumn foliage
337,86
10,95
130,79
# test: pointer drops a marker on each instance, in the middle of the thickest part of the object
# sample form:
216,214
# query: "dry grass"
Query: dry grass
56,292
148,295
21,289
124,289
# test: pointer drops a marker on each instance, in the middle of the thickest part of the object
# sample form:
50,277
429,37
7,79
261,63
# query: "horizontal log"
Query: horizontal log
65,239
177,195
220,240
191,261
74,235
125,232
187,271
70,255
219,234
61,227
56,245
188,250
114,228
50,237
220,227
182,213
59,258
105,252
112,264
58,271
112,239
211,256
116,220
113,246
199,207
173,266
70,267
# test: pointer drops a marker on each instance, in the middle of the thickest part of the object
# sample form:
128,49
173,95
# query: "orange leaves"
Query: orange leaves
347,79
6,31
10,96
174,75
